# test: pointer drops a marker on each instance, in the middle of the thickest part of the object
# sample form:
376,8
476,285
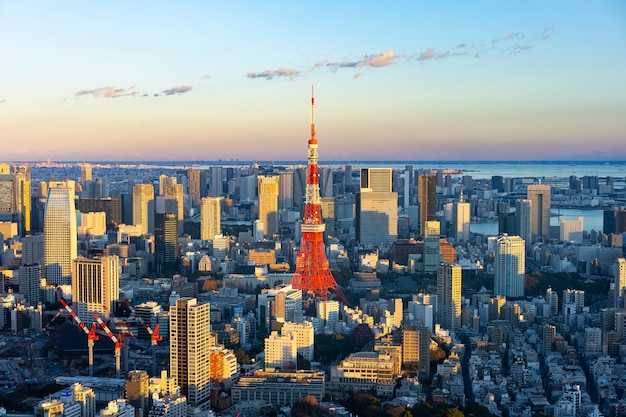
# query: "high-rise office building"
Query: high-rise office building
461,220
165,243
6,190
377,179
523,210
449,296
377,217
142,195
111,206
174,199
60,236
539,195
427,199
33,249
620,283
571,230
85,173
210,218
509,266
190,346
197,185
21,199
30,283
95,286
216,182
268,204
416,348
432,232
303,334
285,192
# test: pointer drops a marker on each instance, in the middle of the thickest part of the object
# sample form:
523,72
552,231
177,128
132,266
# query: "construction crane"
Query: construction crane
155,338
119,345
91,333
56,316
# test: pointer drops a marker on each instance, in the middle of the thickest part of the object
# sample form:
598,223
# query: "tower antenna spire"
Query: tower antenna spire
313,113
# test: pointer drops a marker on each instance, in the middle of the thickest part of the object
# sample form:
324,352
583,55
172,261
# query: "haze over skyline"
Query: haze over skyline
401,81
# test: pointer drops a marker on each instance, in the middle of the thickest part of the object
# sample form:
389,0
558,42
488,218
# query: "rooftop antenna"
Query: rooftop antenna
313,140
461,196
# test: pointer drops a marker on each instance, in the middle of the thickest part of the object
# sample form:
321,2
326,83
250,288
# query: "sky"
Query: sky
401,80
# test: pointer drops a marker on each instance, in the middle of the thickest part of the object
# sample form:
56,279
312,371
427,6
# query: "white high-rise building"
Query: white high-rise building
509,266
280,351
328,311
461,220
210,218
304,334
95,286
571,230
142,195
60,239
190,346
449,296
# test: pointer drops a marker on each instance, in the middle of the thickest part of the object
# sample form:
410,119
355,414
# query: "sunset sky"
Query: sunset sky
208,80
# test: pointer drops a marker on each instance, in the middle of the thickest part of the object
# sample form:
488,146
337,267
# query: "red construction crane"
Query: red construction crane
119,345
91,333
56,316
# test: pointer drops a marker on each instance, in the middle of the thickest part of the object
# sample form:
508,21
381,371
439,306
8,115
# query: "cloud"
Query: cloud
2,100
373,61
511,36
108,92
181,89
516,49
546,33
357,75
207,76
427,55
269,74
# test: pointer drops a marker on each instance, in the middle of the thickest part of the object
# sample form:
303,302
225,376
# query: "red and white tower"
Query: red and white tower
312,270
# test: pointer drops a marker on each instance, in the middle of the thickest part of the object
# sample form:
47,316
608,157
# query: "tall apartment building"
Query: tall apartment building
523,210
197,185
620,283
461,220
142,195
449,296
95,286
268,204
60,235
166,243
509,266
539,195
210,218
190,348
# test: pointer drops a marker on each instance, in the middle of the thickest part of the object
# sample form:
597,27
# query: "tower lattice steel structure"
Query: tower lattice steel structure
312,270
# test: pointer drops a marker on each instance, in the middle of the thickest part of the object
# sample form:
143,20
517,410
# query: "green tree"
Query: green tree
242,356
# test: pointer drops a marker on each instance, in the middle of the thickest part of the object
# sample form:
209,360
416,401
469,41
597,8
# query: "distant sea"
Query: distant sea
477,169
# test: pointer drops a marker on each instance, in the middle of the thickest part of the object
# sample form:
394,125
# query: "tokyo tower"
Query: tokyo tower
312,270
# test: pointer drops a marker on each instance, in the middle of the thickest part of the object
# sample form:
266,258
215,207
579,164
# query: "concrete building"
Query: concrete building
539,195
142,195
210,218
60,235
268,204
509,266
449,296
431,246
190,345
95,286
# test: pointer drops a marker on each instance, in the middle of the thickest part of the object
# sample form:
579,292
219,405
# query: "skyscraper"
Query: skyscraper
190,336
427,199
523,209
215,182
377,179
509,266
197,184
461,220
620,283
29,282
539,195
210,218
165,243
21,200
377,217
432,231
449,296
60,240
95,286
268,204
285,193
142,194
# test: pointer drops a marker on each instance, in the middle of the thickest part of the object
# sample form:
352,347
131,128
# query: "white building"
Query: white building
509,266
